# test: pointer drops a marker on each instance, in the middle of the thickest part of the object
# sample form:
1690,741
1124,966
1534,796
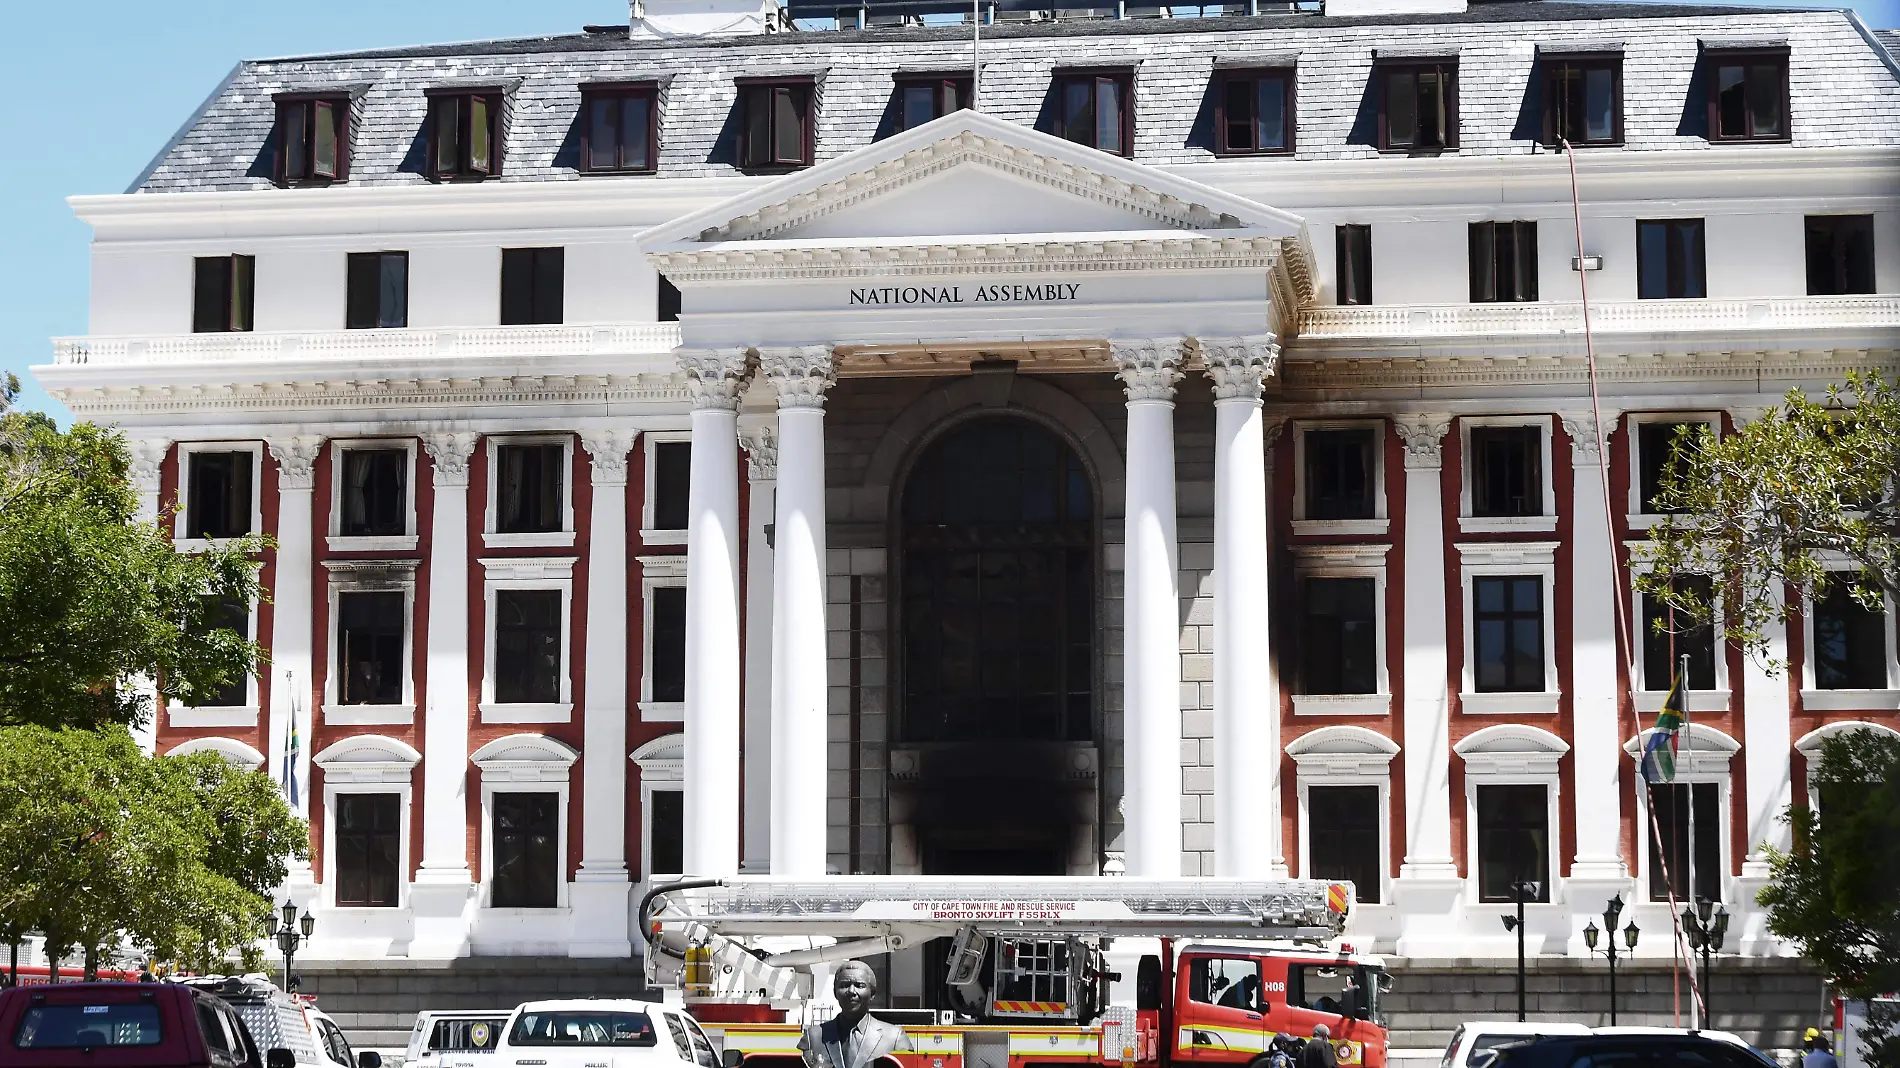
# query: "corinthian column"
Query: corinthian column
1767,741
715,377
1595,578
761,453
1427,711
148,461
1246,712
1151,606
599,895
443,887
800,376
292,610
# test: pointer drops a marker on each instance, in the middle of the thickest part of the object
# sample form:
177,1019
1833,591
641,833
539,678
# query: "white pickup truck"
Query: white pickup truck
602,1033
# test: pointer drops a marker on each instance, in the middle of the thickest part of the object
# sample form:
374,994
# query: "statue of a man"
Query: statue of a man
853,1038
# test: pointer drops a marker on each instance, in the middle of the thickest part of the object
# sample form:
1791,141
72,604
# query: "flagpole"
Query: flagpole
1688,790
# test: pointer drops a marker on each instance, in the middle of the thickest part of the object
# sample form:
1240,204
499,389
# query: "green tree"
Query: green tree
90,597
1832,893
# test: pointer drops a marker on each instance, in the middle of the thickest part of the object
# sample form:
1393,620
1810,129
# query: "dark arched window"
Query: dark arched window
998,574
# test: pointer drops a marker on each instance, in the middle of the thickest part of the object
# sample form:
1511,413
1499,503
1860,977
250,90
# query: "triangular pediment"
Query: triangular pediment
968,177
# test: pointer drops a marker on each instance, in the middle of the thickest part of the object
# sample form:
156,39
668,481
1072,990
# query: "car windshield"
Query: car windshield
78,1026
582,1028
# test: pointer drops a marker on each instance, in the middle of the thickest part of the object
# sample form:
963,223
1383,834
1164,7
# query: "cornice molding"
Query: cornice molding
368,394
1303,373
737,263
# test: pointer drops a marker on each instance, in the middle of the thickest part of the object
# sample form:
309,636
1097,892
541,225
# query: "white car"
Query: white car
603,1033
279,1020
455,1038
1474,1040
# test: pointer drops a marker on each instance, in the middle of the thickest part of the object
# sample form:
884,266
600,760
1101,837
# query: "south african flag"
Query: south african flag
1659,752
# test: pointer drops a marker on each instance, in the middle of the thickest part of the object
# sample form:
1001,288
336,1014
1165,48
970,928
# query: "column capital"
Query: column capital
761,451
1585,449
1743,416
296,460
1239,366
1148,366
1424,437
148,457
715,377
451,453
1270,430
800,374
607,452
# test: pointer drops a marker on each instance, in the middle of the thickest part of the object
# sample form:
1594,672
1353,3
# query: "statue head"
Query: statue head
854,984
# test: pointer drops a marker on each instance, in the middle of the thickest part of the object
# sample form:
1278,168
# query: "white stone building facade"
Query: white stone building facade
732,454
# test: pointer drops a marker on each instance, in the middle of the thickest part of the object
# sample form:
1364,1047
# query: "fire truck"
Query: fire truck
1219,967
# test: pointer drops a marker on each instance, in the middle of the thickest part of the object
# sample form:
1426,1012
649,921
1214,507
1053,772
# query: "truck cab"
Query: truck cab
1230,1000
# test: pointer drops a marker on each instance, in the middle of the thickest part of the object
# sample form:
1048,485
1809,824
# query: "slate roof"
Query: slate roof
1842,91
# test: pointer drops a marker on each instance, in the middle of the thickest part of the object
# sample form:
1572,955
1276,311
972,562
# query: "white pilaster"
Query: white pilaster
443,888
761,451
712,614
600,892
1246,710
1596,742
1426,729
148,461
1151,607
292,610
1767,751
800,376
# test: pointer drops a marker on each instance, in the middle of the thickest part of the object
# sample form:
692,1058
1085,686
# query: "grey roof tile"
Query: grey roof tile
1843,92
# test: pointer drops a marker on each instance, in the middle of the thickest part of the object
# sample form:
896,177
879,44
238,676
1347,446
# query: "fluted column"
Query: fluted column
292,611
599,897
1151,607
1596,744
761,451
1246,711
800,376
443,886
1427,711
711,846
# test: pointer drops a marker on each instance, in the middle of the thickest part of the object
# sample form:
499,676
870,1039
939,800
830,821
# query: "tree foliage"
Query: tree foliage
91,598
1803,498
1833,893
101,844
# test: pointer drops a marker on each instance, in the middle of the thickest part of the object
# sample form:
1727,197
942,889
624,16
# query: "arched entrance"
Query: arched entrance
994,762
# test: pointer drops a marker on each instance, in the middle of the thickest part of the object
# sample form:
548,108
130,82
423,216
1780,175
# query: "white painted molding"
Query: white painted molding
230,749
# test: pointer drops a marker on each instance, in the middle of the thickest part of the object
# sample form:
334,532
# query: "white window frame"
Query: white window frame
1514,754
525,764
1349,561
651,441
1508,558
1639,519
1815,699
662,763
656,572
370,576
528,573
407,541
1648,697
1809,746
179,714
187,449
1498,524
367,764
1344,755
558,539
237,754
1381,522
1706,756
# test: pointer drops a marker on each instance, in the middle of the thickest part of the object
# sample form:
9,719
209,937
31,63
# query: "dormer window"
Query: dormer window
922,98
464,133
313,139
620,135
1583,99
1255,111
1748,94
1418,105
776,126
1096,108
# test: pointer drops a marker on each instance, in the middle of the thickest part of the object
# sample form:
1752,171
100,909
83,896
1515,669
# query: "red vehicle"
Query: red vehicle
40,975
1028,976
125,1025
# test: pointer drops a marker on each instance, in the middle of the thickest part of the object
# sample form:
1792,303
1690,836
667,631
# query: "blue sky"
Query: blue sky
98,87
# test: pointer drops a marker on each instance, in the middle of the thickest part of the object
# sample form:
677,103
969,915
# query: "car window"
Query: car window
1231,982
702,1046
465,1036
1320,987
587,1028
80,1026
681,1043
1451,1048
212,1026
333,1040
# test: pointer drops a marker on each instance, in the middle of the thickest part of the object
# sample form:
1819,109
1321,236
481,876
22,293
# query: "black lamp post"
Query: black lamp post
1611,913
291,932
1706,928
1524,891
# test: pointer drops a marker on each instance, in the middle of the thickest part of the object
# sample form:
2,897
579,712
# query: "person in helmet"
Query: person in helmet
1817,1052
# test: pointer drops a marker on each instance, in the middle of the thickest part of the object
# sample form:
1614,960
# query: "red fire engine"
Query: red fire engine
1220,967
